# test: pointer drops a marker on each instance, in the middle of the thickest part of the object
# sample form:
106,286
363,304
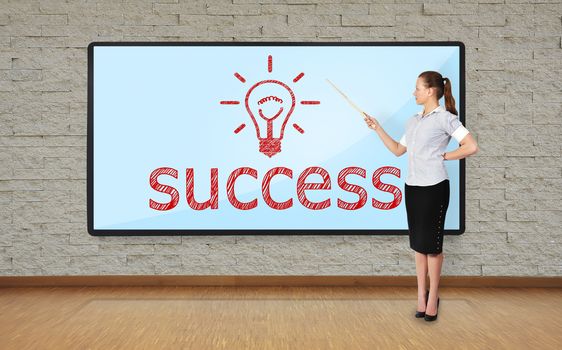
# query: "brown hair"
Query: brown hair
443,85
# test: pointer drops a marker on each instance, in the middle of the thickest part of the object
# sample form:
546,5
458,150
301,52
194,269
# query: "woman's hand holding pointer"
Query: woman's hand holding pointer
396,148
371,122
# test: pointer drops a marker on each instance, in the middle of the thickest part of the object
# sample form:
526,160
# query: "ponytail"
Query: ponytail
443,86
449,99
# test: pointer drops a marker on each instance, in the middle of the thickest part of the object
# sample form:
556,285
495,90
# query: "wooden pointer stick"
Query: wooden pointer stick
348,100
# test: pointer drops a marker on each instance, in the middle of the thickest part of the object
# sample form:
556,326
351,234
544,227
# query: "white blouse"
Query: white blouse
427,138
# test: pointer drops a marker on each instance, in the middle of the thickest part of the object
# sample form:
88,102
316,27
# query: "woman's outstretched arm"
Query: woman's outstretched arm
395,147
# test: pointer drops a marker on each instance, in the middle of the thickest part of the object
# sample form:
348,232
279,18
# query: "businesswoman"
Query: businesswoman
427,185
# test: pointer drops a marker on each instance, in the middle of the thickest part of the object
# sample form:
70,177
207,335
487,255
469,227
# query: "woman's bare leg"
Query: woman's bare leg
434,262
421,272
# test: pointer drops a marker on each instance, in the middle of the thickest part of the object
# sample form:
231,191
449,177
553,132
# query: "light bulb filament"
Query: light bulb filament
268,98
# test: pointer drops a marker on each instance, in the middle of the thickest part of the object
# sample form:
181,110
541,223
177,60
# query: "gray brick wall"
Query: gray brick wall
514,109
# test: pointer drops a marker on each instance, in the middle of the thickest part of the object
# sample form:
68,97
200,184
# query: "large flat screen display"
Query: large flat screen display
254,138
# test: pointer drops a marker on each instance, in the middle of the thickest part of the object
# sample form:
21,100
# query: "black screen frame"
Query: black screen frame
269,232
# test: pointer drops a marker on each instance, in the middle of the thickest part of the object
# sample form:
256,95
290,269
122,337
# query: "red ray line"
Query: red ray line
310,102
230,102
299,129
238,129
241,78
269,63
298,77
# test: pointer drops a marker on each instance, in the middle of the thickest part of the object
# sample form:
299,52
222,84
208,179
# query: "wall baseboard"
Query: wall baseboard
253,280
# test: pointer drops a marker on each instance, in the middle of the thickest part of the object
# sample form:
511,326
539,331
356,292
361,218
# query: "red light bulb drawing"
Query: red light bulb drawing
270,103
274,109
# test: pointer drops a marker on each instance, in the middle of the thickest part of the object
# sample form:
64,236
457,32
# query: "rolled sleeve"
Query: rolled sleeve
403,140
455,128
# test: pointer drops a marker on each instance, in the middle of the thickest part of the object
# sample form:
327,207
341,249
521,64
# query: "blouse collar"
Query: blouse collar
437,109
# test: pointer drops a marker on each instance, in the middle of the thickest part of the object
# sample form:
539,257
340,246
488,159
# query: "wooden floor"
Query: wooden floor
277,318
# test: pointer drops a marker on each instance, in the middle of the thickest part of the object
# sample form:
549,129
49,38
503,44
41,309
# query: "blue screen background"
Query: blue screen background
159,106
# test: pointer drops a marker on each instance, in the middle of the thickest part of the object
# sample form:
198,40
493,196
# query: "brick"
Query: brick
534,172
531,193
94,18
147,19
181,249
26,74
202,21
449,9
5,61
126,249
176,31
153,260
4,19
6,197
507,9
545,9
345,269
6,263
341,9
533,237
233,9
550,270
266,20
547,97
59,7
189,7
510,270
21,30
488,259
26,42
286,31
38,212
396,9
41,196
553,217
43,262
69,30
345,32
21,174
478,193
5,42
289,9
314,20
96,261
368,21
43,128
546,204
482,20
39,19
457,270
19,141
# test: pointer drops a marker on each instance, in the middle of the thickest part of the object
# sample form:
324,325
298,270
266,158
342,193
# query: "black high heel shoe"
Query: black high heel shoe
420,314
434,317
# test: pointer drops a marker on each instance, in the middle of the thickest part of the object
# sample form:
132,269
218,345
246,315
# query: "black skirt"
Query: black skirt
426,207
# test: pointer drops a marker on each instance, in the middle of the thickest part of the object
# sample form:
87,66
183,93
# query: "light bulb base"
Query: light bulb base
270,146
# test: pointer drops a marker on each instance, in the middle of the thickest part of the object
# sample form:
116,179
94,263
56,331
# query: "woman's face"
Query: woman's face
422,93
